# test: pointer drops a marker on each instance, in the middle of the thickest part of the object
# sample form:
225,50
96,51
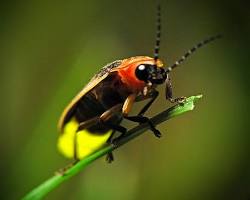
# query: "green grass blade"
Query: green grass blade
42,190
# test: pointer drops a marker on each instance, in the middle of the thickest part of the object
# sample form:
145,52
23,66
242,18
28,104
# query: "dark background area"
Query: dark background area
50,49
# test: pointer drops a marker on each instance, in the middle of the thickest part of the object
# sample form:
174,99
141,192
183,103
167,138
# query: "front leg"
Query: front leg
153,95
169,92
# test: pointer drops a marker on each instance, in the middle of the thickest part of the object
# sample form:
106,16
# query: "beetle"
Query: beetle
92,117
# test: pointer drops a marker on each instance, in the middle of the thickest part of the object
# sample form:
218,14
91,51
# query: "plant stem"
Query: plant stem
42,190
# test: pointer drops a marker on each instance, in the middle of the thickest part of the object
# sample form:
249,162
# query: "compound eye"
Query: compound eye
141,72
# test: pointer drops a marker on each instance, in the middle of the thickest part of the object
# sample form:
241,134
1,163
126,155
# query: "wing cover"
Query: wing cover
101,75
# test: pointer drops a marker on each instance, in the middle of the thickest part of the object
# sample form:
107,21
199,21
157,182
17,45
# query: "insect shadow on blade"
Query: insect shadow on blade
92,117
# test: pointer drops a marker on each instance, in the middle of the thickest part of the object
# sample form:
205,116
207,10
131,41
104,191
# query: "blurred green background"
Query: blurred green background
50,49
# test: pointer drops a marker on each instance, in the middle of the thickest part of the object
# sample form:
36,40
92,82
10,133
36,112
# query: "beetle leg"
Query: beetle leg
142,119
104,119
88,123
153,97
83,125
138,118
128,104
169,92
75,149
109,156
110,112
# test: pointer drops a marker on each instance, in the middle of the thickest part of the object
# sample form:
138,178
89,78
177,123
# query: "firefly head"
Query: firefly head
151,73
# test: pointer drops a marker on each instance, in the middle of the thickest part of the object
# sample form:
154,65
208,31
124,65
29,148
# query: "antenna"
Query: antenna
158,34
192,50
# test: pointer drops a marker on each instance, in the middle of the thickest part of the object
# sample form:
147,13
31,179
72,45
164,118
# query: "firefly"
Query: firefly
96,112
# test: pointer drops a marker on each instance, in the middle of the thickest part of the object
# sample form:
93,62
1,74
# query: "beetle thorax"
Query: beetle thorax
128,78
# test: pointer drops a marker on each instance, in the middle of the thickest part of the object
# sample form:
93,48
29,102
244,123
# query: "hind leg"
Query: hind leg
104,119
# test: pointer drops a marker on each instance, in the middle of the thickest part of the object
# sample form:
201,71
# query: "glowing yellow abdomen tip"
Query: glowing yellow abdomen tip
87,142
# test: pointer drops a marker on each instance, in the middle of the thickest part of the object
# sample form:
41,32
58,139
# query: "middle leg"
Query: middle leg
140,118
